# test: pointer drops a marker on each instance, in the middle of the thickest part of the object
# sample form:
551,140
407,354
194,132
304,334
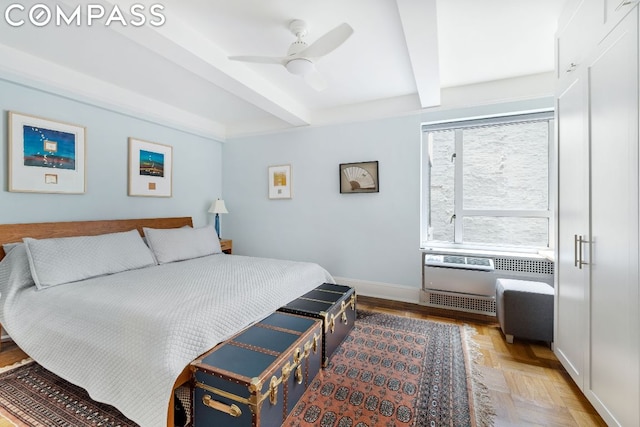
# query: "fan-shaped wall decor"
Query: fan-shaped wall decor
361,177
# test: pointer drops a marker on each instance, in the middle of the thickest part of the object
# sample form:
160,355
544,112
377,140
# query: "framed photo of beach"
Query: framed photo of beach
46,156
150,168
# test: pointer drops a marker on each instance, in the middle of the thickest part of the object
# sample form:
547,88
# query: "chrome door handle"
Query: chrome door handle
580,241
623,3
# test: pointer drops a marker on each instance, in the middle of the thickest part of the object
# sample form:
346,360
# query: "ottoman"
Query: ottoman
525,309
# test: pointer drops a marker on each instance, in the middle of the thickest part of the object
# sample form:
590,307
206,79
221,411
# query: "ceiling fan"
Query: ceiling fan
301,57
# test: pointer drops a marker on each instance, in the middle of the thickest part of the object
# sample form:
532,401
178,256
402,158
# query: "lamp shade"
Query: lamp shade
218,207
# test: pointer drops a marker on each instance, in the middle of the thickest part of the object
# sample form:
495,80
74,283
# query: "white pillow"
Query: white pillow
177,244
69,259
8,246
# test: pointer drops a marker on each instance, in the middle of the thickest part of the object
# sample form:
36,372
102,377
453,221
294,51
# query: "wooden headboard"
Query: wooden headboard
10,233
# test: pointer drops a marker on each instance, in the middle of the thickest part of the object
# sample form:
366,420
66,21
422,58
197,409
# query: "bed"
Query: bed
128,337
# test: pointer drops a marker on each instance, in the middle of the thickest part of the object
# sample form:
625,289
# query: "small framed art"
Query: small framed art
46,156
360,177
150,168
280,182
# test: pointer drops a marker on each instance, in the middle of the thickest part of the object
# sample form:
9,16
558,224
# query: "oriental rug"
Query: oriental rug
395,371
390,371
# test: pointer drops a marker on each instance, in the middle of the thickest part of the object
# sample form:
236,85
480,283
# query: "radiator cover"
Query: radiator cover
471,290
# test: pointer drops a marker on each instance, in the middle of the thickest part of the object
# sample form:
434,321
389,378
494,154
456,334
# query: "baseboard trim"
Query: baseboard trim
382,290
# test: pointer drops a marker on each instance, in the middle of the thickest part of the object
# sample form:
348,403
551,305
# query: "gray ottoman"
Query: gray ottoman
525,309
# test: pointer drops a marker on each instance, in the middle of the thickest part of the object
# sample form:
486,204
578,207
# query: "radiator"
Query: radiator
467,282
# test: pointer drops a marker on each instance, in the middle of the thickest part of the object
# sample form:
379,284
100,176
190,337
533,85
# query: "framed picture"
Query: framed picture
150,168
46,156
280,182
361,177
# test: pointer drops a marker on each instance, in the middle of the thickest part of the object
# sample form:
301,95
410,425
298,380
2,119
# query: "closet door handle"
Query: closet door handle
580,252
575,250
623,3
580,241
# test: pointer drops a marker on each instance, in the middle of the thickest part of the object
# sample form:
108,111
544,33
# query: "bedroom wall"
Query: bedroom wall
370,239
197,163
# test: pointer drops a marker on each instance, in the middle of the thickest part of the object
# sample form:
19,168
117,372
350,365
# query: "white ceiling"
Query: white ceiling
400,50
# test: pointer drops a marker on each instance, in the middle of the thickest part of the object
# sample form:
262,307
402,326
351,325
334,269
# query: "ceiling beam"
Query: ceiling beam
420,25
179,42
33,71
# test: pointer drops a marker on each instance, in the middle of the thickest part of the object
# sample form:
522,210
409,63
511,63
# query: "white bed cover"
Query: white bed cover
126,337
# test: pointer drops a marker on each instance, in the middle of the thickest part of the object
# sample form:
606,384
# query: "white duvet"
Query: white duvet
126,337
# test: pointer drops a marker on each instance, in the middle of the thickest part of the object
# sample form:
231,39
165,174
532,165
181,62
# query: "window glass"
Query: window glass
485,182
506,231
442,167
506,166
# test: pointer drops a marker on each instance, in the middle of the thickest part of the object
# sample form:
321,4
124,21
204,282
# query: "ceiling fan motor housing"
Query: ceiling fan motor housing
296,46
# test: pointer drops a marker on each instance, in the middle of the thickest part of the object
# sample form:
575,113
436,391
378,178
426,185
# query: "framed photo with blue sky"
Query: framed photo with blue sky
150,168
46,156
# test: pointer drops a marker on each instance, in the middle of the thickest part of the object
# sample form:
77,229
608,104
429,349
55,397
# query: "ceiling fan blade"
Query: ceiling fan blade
315,80
329,42
258,59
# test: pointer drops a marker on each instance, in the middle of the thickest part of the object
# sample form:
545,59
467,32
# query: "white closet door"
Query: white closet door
614,381
571,282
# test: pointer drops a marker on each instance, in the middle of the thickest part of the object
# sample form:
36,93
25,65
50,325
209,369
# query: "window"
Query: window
486,182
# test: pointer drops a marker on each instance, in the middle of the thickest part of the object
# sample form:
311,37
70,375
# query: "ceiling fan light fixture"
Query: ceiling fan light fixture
300,57
299,66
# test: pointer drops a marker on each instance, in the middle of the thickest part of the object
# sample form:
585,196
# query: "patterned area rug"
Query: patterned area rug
391,371
32,396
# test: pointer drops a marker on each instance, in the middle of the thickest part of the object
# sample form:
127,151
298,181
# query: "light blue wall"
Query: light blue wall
197,164
371,237
367,236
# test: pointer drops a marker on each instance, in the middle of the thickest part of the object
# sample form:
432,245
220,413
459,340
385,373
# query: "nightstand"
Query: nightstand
226,245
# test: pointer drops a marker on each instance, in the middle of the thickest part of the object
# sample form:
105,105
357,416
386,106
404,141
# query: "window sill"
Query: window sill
541,254
548,254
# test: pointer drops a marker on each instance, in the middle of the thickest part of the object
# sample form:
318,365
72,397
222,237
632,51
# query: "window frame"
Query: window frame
460,213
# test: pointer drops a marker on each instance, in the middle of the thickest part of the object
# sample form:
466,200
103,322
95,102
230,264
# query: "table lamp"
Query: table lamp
217,208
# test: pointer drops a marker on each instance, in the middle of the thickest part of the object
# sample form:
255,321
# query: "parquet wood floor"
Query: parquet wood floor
528,386
527,383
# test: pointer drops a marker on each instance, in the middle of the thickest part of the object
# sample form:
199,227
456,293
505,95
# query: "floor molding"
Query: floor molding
382,290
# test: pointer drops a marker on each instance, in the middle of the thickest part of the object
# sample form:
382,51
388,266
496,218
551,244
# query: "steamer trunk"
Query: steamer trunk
255,378
335,305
